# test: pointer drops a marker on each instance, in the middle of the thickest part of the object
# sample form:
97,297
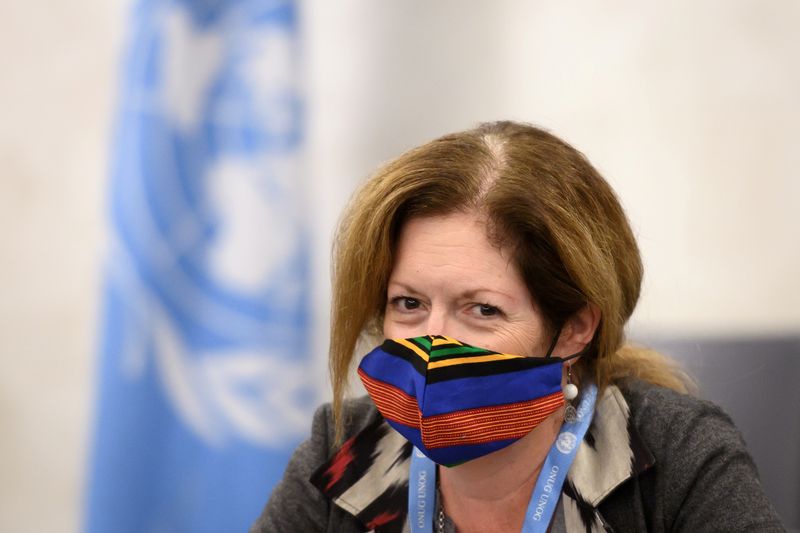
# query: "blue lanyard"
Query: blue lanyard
544,500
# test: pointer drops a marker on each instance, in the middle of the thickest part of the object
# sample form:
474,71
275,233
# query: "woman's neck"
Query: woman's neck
493,491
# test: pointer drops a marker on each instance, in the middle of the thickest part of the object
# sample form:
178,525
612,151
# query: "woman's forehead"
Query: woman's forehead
453,249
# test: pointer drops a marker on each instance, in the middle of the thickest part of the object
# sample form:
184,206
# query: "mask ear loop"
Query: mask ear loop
570,390
552,347
553,344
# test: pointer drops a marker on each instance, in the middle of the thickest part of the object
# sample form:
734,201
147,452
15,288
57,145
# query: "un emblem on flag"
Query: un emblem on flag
212,252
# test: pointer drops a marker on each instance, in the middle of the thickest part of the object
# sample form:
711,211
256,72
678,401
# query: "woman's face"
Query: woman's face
448,279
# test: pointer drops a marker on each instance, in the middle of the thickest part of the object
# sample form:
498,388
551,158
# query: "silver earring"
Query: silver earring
570,393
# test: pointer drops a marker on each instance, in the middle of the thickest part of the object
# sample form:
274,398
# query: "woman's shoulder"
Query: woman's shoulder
298,505
653,405
703,475
682,431
642,394
357,414
356,410
663,416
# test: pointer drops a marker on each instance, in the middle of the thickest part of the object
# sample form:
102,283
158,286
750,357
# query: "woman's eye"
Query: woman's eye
406,303
488,310
410,303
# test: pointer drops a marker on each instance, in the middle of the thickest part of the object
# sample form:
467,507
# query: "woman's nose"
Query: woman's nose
441,323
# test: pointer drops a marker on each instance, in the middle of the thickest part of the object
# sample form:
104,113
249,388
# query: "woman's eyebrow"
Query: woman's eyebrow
473,293
404,286
469,293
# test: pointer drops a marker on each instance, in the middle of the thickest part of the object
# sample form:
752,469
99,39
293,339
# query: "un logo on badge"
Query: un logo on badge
208,207
566,442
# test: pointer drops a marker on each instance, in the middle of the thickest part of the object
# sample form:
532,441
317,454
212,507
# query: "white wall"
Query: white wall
689,110
58,64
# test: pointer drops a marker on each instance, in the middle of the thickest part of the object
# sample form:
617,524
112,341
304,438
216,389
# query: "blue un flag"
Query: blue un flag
204,381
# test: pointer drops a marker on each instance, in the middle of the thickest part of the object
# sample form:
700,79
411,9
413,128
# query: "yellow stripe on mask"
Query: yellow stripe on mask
480,359
413,347
444,341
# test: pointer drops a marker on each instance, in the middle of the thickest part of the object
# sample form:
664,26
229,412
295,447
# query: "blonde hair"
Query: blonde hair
571,241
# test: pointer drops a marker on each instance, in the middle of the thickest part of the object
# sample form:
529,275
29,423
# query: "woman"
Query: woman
501,269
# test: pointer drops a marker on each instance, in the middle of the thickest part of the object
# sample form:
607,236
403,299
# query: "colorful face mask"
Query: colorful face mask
456,402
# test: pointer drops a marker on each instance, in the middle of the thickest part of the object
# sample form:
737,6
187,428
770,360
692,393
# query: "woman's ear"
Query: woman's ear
579,329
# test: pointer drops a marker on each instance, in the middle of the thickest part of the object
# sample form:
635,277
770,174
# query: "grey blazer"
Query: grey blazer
652,460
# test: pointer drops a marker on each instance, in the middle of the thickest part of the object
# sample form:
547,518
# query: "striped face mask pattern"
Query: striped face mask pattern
456,402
